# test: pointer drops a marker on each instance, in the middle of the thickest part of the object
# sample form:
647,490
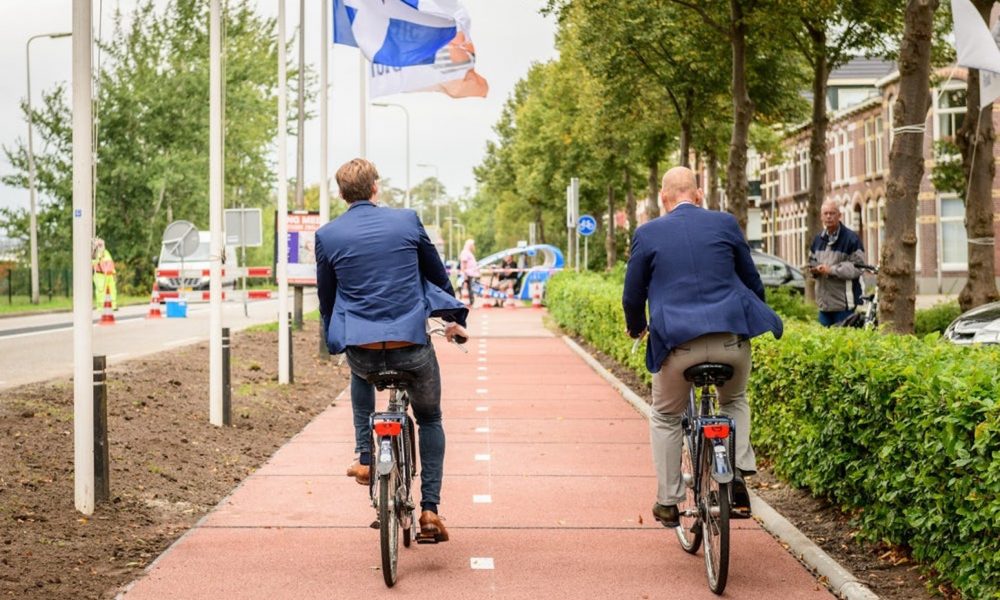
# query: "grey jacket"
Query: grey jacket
843,253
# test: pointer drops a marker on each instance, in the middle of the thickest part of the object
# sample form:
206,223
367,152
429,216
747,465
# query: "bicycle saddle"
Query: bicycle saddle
709,374
390,378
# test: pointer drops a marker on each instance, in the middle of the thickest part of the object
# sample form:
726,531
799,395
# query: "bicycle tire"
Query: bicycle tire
388,521
689,532
715,523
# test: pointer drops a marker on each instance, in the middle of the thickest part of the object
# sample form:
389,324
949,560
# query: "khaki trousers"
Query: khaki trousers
670,398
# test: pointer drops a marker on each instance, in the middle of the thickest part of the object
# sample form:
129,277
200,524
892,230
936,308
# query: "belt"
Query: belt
386,345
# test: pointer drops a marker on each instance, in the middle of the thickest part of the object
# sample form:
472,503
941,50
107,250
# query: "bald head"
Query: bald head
830,216
679,185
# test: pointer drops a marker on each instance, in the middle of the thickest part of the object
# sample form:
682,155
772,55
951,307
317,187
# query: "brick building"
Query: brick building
859,136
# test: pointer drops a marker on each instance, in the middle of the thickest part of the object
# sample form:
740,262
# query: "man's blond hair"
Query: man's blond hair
356,179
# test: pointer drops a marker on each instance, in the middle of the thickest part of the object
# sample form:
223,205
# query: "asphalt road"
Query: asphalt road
40,347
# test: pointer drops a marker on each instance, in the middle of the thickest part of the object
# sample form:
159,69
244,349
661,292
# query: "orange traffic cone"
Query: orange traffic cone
154,303
487,300
465,294
536,295
108,316
509,301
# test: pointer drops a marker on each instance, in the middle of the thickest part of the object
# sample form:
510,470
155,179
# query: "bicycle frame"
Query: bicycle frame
710,427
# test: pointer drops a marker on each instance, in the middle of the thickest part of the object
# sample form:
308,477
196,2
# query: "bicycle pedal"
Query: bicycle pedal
426,540
740,513
375,524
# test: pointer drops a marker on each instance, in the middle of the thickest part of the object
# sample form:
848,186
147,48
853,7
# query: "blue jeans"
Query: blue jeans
425,400
831,317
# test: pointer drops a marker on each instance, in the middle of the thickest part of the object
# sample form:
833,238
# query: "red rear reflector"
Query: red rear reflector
388,427
716,432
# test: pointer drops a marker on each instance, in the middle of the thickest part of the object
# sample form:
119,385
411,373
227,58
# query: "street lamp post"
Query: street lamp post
407,113
31,168
437,193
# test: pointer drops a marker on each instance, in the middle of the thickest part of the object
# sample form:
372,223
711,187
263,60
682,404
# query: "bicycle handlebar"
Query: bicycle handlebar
459,340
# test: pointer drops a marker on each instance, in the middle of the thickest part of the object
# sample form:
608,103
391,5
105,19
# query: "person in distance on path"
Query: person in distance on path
833,258
706,301
379,278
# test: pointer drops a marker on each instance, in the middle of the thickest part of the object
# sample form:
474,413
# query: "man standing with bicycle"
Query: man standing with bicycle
706,301
834,259
379,278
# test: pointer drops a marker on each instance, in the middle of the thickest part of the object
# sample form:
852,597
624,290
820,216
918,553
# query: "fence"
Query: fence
52,282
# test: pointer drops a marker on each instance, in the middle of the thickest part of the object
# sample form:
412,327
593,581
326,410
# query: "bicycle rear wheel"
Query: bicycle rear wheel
715,523
388,520
689,531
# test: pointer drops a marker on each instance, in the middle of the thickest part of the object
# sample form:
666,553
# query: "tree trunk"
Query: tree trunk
629,205
539,224
817,150
685,143
896,279
736,170
713,182
609,241
653,202
975,139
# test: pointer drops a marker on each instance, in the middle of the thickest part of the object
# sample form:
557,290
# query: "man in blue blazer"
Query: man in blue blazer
706,301
379,278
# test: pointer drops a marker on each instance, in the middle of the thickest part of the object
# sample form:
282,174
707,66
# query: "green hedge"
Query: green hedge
936,318
902,430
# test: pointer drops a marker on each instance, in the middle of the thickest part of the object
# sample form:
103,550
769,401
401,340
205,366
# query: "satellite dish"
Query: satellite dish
180,238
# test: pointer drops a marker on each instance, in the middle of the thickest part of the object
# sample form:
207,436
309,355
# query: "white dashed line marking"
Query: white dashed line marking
482,378
482,408
482,499
481,390
482,359
481,563
482,457
482,429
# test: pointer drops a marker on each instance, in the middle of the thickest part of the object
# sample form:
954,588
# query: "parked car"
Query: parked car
775,272
199,261
981,325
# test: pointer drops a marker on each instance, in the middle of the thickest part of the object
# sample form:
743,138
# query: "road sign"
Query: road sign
587,225
243,227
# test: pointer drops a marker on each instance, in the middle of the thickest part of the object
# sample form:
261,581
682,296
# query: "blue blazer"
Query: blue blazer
379,278
694,268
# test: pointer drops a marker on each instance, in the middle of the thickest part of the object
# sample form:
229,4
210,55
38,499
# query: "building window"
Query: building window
846,148
869,147
879,135
871,228
891,110
949,112
954,245
880,216
838,159
803,164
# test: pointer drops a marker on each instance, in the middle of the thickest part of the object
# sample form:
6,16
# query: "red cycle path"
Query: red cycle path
547,494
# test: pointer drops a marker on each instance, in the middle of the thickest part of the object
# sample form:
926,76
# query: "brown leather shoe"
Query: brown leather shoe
432,529
361,473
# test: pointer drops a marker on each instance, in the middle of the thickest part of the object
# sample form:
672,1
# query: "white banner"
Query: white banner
989,82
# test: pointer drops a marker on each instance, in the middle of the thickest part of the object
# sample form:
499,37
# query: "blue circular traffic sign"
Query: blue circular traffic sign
587,225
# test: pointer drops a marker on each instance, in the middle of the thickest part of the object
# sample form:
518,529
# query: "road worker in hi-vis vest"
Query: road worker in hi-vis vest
104,274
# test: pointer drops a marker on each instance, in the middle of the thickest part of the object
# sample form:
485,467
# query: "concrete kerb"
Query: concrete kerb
838,579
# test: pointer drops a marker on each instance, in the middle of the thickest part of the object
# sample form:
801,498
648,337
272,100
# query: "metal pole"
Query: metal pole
281,244
363,112
406,113
300,138
586,252
227,385
215,192
102,464
291,354
83,216
324,112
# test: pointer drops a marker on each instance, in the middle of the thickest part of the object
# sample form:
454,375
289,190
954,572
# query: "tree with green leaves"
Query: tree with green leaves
828,34
152,126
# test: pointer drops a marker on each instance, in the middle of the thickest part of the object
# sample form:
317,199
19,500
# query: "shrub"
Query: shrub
936,318
904,431
790,304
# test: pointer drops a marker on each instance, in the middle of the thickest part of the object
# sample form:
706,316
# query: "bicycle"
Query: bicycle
711,437
707,471
868,318
395,465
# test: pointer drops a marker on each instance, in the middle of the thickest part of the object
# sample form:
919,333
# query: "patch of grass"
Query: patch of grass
273,326
23,305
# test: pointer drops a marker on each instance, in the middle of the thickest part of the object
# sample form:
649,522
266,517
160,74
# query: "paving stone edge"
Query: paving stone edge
839,580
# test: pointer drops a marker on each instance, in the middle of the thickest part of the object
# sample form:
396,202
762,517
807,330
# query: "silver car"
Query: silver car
981,325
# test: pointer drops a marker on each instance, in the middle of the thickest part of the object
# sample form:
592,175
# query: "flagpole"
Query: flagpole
363,117
83,216
324,143
281,244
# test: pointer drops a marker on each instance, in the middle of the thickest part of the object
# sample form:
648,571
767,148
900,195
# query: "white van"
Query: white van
199,261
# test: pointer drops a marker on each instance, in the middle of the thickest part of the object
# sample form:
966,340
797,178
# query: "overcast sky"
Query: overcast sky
509,36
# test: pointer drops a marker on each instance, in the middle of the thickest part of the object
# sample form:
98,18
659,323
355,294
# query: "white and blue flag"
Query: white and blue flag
399,33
